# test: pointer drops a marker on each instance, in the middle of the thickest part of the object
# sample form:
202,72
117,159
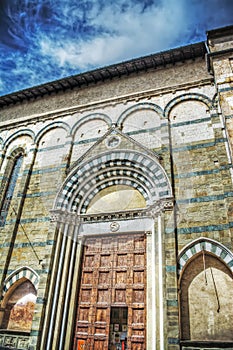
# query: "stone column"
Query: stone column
160,282
73,294
47,336
151,297
65,263
62,300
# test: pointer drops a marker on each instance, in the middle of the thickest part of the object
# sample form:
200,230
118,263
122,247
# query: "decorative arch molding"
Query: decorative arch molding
186,97
23,272
209,245
111,179
23,132
215,100
133,168
17,151
51,126
90,117
139,107
127,167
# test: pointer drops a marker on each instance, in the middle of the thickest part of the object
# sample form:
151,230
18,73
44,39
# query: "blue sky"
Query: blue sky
45,40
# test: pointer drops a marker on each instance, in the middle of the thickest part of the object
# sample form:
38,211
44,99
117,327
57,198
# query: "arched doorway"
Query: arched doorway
107,212
111,308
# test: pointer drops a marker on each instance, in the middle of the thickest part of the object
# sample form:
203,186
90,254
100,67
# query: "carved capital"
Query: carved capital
64,217
167,204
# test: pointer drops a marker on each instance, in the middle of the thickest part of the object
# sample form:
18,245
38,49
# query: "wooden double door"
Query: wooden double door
111,311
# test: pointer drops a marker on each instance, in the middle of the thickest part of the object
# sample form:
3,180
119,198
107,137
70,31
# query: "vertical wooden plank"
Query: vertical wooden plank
113,275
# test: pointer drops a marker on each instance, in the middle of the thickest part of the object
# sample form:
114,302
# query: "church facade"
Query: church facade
116,205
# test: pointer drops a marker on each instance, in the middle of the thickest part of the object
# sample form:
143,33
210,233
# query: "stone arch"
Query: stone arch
23,132
209,245
139,107
18,274
105,168
51,126
89,117
127,167
215,100
11,158
17,151
185,97
110,180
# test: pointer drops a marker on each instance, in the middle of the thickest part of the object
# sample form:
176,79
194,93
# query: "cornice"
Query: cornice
116,71
219,32
66,217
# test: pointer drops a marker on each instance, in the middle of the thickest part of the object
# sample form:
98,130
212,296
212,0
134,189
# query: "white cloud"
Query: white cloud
49,39
124,34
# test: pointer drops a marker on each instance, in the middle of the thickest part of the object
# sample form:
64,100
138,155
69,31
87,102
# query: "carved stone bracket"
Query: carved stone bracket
167,204
161,206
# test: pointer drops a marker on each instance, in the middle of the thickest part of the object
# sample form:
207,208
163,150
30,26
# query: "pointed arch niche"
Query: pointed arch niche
110,200
19,299
206,293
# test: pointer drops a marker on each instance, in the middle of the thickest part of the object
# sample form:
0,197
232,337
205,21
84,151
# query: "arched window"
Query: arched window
8,184
206,299
19,306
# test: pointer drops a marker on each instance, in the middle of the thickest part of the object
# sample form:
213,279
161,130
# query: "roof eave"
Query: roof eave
118,70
